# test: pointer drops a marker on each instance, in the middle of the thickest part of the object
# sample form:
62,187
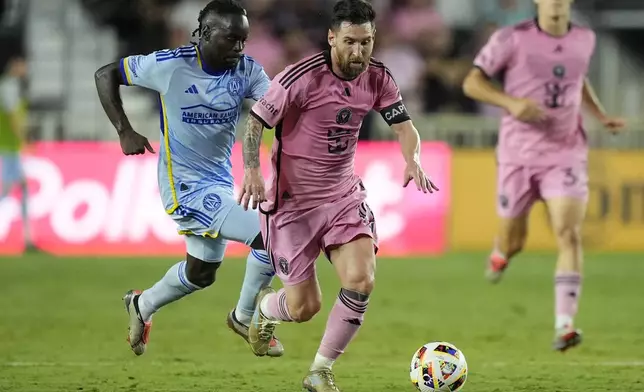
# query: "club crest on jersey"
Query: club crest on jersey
343,116
559,71
211,202
235,86
282,263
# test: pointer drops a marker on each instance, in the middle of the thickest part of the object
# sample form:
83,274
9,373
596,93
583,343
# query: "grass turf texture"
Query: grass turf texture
63,328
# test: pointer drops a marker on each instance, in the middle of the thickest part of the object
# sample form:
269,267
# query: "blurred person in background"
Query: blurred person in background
415,19
181,21
443,73
543,147
505,12
405,63
13,113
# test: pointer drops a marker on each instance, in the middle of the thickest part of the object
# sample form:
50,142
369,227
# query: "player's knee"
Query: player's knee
569,236
360,280
303,311
201,273
304,307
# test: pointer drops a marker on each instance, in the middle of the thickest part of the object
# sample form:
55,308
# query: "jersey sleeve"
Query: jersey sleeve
276,102
259,82
151,71
389,102
497,52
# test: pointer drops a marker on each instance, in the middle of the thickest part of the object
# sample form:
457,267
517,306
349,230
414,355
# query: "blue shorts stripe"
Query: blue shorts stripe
199,216
263,258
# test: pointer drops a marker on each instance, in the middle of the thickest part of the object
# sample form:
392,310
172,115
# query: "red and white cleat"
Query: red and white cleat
495,267
138,330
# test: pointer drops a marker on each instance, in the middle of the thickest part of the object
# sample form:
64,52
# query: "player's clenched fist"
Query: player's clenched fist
415,172
133,143
252,186
526,110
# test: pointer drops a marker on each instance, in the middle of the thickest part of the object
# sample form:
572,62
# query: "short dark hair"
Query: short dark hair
220,7
353,11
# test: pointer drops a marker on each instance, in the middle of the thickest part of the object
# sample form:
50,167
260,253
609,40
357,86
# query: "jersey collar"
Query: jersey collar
204,66
536,23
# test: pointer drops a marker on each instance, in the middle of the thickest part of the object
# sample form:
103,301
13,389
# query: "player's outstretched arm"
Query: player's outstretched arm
410,144
591,101
253,184
108,81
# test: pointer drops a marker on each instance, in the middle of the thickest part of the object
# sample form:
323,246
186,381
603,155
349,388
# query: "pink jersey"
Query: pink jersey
550,70
317,117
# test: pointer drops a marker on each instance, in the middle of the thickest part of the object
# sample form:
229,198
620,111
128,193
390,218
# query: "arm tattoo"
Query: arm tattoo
252,142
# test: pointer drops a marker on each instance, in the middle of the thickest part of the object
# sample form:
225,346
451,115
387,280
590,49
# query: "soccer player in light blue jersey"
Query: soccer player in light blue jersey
201,90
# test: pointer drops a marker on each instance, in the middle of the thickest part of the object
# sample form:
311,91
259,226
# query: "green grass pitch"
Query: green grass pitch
63,328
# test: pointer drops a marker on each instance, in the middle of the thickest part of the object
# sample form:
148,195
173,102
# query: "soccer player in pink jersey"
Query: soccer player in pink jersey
542,150
314,200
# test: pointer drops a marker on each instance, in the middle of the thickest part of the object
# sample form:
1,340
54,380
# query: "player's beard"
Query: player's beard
351,67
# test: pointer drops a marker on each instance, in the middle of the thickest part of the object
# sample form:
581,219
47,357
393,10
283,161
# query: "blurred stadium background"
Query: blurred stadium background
62,326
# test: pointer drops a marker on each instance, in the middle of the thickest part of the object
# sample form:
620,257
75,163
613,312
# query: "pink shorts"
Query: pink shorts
294,238
519,187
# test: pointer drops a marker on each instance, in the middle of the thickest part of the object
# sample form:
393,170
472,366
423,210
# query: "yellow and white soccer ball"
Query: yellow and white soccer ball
438,366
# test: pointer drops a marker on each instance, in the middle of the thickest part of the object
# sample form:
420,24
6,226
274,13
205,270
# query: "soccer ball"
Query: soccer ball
438,366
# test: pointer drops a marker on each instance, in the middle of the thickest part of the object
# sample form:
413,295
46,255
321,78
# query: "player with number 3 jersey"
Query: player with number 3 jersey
542,151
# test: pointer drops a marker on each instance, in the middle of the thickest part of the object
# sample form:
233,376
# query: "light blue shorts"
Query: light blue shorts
210,219
12,171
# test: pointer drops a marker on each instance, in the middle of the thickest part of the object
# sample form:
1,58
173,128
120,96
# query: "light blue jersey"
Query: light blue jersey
199,113
200,109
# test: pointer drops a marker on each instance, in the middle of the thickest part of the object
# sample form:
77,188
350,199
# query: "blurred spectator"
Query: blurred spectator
416,18
13,116
265,47
426,56
405,62
505,12
183,21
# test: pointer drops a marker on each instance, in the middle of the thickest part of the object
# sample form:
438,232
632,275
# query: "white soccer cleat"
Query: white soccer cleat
275,349
138,330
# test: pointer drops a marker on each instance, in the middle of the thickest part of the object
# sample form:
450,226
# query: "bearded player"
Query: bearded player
543,151
315,201
201,89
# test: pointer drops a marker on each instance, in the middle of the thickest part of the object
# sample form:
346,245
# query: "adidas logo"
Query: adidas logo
192,90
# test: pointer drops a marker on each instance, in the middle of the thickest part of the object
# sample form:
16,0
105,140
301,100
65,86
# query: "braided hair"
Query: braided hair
233,7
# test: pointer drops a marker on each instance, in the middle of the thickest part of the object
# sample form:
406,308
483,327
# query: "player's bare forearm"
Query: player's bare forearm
409,140
591,101
252,142
108,82
480,88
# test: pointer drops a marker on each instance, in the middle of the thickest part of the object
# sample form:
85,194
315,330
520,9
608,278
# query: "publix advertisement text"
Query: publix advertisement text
89,199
